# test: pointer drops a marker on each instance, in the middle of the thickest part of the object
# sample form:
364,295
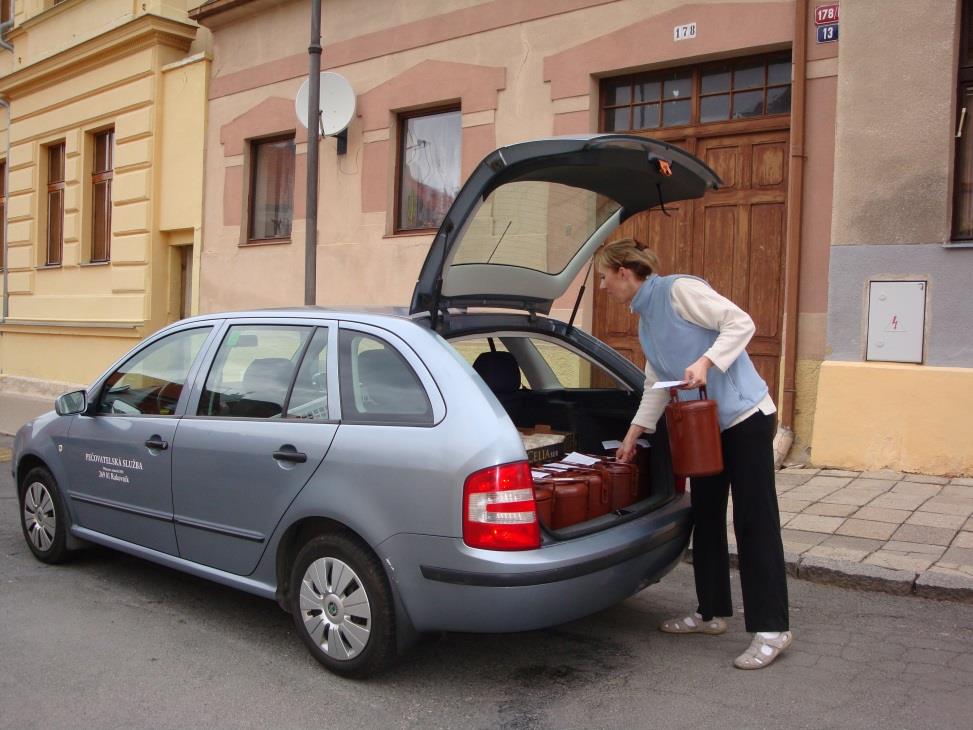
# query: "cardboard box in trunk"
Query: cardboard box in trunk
543,444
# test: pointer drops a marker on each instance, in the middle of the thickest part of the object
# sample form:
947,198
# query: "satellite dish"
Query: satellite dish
336,102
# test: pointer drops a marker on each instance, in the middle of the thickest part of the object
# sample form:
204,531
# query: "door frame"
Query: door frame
688,136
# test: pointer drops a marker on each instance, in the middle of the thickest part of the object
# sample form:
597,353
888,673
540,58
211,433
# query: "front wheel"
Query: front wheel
342,606
42,516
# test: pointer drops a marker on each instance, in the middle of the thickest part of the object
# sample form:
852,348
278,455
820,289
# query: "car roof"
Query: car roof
366,315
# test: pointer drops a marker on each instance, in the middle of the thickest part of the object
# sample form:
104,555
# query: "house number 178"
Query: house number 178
684,32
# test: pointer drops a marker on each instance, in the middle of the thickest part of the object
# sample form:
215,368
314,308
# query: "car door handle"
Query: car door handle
290,454
157,442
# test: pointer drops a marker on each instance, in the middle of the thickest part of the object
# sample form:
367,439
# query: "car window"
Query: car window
534,224
252,371
542,364
151,381
474,352
377,384
571,369
309,398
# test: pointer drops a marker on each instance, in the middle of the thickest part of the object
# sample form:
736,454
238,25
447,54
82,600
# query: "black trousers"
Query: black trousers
748,470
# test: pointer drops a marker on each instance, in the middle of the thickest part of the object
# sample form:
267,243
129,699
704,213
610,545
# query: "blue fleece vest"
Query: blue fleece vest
671,344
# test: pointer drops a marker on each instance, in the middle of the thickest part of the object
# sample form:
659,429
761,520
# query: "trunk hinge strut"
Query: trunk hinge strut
577,302
438,288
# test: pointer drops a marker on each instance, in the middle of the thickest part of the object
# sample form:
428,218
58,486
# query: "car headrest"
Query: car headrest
499,370
267,378
388,383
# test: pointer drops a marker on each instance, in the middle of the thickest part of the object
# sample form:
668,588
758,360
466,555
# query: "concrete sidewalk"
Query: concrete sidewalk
16,410
884,530
887,531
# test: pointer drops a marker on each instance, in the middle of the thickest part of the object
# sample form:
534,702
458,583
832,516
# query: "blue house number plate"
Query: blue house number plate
827,33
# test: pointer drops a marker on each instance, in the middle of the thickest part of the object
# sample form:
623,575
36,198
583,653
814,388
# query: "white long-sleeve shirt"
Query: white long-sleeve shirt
698,303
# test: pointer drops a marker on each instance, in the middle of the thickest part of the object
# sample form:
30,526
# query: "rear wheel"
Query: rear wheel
42,516
342,606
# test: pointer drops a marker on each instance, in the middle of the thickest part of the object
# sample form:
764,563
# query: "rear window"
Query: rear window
377,384
533,224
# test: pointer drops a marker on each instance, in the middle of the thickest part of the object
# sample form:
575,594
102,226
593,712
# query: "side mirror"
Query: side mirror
71,403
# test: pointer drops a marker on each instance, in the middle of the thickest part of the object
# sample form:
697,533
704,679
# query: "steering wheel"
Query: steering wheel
167,394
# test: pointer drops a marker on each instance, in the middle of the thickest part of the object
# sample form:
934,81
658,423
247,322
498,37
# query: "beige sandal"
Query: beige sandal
762,652
693,624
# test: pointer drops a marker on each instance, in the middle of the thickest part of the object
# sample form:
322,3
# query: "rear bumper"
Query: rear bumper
448,586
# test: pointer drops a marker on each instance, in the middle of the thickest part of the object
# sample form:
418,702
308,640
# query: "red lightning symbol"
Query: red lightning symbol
895,322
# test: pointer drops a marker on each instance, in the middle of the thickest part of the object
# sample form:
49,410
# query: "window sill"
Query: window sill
85,264
412,234
958,244
48,267
264,242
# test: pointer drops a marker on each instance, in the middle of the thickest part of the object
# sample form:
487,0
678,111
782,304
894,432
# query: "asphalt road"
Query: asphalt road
110,641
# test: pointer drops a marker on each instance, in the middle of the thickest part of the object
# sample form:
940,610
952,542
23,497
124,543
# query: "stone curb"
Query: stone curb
864,577
945,587
856,575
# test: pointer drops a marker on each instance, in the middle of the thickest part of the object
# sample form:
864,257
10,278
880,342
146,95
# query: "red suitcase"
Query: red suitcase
622,480
599,495
544,499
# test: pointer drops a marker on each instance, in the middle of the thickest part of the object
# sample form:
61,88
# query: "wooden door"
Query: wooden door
732,237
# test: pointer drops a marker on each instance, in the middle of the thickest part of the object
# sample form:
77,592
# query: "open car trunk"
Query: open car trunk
521,229
586,419
565,392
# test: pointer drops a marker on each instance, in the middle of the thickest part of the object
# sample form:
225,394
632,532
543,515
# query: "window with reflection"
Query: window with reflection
429,148
271,207
151,382
253,370
55,204
102,172
717,92
377,384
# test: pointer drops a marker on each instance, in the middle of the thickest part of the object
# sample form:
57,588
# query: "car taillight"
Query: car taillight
499,512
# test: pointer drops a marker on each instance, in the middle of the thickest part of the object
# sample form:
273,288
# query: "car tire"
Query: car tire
341,603
43,518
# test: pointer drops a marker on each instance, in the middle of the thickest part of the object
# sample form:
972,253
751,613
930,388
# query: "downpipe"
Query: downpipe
5,103
784,438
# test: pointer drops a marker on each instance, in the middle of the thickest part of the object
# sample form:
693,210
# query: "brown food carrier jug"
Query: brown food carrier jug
544,499
694,435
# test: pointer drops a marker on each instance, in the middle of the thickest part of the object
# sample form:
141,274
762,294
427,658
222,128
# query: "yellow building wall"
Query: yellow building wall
82,67
912,418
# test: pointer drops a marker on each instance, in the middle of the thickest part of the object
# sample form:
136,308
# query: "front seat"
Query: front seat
501,373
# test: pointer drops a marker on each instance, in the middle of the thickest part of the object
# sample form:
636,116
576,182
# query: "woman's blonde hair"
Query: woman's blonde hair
627,253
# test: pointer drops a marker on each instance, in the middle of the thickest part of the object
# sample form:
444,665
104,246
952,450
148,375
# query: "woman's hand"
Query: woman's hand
626,452
695,375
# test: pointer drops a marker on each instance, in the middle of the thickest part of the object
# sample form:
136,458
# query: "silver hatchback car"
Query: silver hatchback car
354,466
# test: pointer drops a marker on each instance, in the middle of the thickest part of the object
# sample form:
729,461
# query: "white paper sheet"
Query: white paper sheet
580,459
539,474
613,444
668,384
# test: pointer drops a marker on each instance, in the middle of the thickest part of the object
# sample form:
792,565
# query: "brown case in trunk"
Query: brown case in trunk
622,480
599,493
570,496
544,499
643,458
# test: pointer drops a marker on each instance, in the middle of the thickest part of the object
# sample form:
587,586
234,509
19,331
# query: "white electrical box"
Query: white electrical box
896,320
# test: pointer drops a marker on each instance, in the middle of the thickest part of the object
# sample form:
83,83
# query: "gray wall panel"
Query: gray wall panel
949,301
